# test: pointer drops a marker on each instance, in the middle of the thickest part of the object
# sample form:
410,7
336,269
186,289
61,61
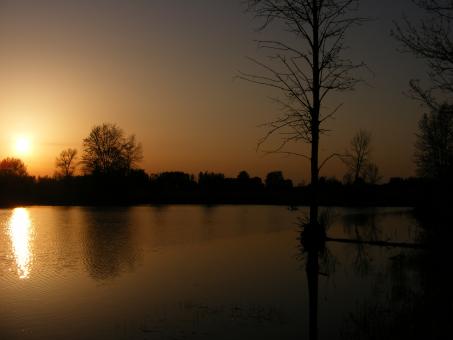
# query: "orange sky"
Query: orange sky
164,70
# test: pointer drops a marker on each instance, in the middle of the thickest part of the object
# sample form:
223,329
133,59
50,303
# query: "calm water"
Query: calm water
192,272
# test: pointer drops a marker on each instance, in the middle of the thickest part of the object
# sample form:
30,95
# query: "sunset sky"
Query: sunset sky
165,71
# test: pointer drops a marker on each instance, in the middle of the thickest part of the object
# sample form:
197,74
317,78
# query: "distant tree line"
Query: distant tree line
138,187
108,173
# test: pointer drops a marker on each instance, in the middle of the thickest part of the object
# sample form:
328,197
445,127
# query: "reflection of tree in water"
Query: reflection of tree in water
312,270
419,304
318,260
412,298
109,247
361,227
207,222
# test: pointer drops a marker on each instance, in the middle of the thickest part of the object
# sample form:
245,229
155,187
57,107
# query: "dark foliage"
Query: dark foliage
434,145
13,167
108,151
137,187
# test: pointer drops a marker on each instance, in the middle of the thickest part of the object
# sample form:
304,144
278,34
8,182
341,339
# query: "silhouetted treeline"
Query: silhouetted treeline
138,187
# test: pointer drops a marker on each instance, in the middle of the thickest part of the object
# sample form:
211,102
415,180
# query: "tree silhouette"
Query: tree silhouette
357,160
243,176
66,162
107,151
276,181
371,173
13,167
434,144
306,72
431,40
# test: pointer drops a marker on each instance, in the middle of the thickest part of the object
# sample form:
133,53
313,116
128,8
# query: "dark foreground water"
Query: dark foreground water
194,272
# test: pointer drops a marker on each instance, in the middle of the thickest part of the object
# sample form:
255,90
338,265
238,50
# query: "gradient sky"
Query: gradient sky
164,70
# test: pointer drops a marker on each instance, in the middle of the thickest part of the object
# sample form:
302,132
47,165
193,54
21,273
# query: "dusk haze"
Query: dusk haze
226,169
166,70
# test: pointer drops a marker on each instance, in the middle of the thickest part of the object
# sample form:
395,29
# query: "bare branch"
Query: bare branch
324,162
430,39
303,80
289,154
304,72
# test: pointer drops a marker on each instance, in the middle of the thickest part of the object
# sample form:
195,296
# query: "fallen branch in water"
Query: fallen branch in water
379,243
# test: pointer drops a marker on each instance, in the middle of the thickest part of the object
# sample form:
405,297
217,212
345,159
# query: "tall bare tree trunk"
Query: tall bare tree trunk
315,120
305,73
314,181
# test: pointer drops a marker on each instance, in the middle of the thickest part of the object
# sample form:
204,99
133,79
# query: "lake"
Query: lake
200,272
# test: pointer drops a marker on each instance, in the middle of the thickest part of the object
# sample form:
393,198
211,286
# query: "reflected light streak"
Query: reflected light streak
20,234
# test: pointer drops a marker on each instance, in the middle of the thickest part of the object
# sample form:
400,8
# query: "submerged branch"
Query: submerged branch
379,243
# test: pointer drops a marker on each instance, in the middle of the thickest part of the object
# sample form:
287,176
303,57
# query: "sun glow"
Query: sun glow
23,146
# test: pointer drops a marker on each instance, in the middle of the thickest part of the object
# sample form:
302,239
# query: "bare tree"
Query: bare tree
305,72
66,162
431,40
357,158
13,167
132,152
434,144
371,174
106,150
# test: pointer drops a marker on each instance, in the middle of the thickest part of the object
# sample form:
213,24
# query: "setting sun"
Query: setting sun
23,146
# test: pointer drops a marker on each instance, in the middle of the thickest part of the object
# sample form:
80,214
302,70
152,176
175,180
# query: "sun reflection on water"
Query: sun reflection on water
20,234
